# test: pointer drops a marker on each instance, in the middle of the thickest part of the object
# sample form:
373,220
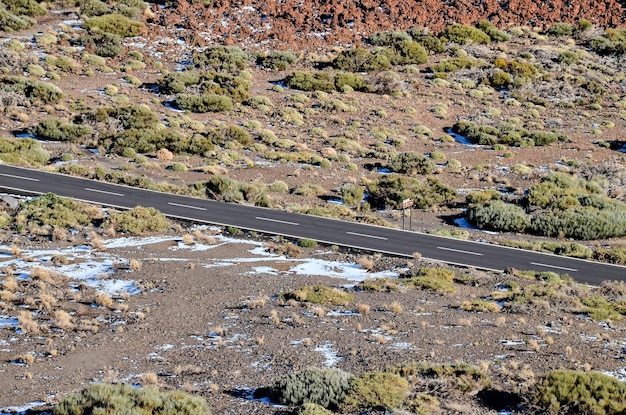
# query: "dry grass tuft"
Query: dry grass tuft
396,307
188,239
135,265
188,370
10,284
258,301
15,250
149,378
534,345
363,309
104,300
366,263
62,319
7,296
27,323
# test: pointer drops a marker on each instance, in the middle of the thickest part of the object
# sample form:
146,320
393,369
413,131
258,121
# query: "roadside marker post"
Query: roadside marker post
406,204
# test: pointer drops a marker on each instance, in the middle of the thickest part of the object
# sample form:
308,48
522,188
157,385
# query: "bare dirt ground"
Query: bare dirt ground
209,319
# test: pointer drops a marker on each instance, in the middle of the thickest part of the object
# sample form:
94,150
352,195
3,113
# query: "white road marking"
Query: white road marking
277,221
553,266
19,177
186,206
460,251
366,235
103,191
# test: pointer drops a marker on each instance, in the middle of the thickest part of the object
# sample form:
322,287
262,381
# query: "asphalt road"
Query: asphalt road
331,231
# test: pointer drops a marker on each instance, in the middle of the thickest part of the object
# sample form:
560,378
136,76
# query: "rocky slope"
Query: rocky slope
297,23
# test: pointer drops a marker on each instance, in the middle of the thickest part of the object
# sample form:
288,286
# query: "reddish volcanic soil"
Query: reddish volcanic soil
307,24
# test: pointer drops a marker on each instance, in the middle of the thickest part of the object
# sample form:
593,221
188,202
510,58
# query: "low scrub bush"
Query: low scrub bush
376,390
121,398
53,210
461,34
493,32
221,59
440,280
308,81
319,294
58,130
432,43
18,151
498,215
278,60
115,23
390,190
561,29
230,190
411,163
104,44
11,22
505,133
204,103
574,392
138,220
35,91
321,386
459,377
481,306
443,67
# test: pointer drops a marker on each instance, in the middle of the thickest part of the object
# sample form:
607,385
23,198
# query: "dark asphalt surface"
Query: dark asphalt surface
368,237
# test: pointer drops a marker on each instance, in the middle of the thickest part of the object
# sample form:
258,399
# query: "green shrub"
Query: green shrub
460,33
409,52
307,81
53,210
411,163
388,37
500,80
319,294
325,387
582,222
599,309
25,7
138,220
204,103
117,399
352,195
376,390
313,409
35,91
498,215
354,81
278,60
493,32
567,57
58,130
573,392
114,23
454,64
231,190
390,190
440,280
611,255
20,151
104,44
92,8
307,243
221,58
461,377
432,43
561,29
10,22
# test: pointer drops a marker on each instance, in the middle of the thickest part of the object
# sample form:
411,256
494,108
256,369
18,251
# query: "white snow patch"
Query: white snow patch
329,353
